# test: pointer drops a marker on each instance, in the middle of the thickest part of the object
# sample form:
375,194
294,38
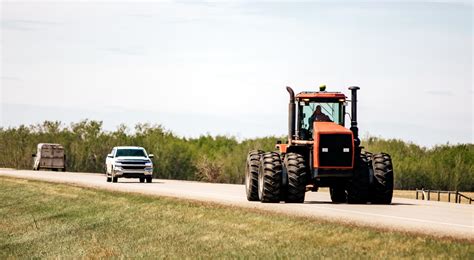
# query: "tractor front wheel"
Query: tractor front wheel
297,177
269,177
338,194
382,186
358,187
251,174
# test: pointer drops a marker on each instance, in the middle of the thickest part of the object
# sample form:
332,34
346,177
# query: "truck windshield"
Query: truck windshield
130,152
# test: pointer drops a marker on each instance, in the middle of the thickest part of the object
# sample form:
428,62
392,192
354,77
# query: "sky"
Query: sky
221,68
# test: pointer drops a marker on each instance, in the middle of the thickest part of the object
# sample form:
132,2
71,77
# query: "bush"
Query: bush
221,158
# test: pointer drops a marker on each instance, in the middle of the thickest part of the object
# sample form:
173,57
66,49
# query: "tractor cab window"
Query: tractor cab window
311,111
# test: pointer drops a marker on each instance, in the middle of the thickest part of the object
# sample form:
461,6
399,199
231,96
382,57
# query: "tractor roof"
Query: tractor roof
321,94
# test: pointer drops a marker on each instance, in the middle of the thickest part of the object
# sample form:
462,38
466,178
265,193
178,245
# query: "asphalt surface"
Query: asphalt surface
428,217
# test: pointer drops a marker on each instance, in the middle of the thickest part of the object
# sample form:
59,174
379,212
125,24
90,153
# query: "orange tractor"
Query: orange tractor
320,152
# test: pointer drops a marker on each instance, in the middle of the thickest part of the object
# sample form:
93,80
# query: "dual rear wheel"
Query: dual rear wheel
268,179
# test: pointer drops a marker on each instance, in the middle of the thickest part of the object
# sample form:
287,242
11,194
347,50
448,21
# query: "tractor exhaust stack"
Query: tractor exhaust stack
354,128
291,115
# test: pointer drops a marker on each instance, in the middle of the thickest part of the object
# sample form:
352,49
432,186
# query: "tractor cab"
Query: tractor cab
318,106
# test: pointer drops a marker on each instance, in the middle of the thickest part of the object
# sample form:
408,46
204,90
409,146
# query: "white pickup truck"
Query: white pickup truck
129,162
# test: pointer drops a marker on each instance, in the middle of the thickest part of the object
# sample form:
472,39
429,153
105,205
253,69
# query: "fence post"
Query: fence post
457,195
438,195
416,193
449,196
429,194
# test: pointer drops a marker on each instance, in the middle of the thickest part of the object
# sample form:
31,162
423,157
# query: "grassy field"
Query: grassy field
53,220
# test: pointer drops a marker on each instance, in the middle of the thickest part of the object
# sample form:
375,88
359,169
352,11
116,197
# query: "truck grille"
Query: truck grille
134,162
335,150
133,167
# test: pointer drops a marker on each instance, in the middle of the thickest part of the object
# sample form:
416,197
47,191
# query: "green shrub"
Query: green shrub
222,158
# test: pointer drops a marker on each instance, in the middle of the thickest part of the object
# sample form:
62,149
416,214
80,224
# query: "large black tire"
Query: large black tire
269,178
297,177
114,179
358,186
338,194
142,179
382,185
251,174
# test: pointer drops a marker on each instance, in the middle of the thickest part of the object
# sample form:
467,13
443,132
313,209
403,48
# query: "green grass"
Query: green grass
40,219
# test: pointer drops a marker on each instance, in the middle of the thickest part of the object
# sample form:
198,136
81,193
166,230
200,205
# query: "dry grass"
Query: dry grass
54,220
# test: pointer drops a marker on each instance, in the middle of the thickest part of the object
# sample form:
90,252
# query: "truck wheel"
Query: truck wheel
114,179
297,177
358,186
269,178
149,179
142,180
251,174
338,194
109,179
382,186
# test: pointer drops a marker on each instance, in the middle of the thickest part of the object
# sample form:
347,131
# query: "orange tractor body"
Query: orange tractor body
320,152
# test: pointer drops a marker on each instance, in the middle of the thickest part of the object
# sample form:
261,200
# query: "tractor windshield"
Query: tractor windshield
310,111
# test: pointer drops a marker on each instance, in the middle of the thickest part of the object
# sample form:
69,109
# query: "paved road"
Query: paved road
435,218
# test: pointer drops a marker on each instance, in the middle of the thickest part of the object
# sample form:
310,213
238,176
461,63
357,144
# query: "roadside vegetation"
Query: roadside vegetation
222,158
45,220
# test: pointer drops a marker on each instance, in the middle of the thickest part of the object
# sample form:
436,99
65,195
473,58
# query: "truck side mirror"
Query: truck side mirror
33,155
151,156
110,155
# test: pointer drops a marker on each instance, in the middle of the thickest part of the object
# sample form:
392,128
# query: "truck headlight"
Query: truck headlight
149,169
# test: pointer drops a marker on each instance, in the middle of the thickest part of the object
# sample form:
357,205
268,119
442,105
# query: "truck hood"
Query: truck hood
126,158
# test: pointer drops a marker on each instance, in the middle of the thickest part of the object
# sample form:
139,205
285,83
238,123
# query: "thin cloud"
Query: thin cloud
123,51
26,25
10,78
439,92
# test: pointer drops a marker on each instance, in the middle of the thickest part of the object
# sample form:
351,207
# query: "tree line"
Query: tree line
221,158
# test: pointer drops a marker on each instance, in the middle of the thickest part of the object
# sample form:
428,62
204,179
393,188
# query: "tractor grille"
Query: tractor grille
335,150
